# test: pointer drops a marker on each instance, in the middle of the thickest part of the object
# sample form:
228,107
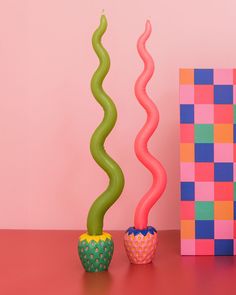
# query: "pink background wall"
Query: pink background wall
48,178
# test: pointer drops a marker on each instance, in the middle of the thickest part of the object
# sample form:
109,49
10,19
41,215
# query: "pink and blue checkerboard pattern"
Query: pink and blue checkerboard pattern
207,161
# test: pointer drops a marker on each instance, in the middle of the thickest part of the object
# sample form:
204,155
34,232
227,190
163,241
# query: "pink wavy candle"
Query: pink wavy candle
141,150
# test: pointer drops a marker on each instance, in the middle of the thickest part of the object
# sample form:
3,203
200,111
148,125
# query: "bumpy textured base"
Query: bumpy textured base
141,245
95,252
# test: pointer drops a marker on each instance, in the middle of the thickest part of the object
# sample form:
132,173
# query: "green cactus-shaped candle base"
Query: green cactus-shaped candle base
95,252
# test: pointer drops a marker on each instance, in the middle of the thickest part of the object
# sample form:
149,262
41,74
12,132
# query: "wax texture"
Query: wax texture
114,172
141,150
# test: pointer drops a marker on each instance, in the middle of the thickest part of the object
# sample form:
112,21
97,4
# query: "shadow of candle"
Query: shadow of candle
139,279
96,283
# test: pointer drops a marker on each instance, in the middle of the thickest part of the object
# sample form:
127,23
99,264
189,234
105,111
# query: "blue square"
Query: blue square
234,210
204,229
224,247
204,152
203,76
186,113
223,94
223,171
234,133
187,191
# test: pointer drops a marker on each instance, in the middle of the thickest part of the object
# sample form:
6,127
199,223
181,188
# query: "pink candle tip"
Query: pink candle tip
148,25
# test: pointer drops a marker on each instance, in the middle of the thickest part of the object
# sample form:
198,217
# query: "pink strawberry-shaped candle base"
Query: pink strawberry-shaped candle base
141,245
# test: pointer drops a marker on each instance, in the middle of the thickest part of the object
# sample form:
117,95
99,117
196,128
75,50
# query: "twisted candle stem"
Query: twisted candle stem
157,170
114,172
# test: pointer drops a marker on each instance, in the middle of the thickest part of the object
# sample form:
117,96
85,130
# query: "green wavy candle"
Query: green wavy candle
114,172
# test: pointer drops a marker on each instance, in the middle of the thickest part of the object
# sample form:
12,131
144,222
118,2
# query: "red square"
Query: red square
223,113
234,152
204,247
187,210
234,76
204,171
187,133
204,94
224,191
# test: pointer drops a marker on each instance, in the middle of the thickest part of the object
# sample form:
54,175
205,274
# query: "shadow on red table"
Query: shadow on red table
96,283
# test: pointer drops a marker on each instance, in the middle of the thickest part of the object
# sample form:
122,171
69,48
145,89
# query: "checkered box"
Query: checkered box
208,161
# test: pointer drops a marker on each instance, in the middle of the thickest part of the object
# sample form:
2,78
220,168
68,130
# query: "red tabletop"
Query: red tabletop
46,263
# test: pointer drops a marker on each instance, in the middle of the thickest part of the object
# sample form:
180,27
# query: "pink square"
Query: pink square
187,171
234,94
234,171
186,94
204,113
187,247
234,229
223,76
204,191
204,247
223,152
224,229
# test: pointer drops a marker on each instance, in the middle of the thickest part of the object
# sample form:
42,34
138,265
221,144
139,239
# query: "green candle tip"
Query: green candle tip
103,14
103,20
